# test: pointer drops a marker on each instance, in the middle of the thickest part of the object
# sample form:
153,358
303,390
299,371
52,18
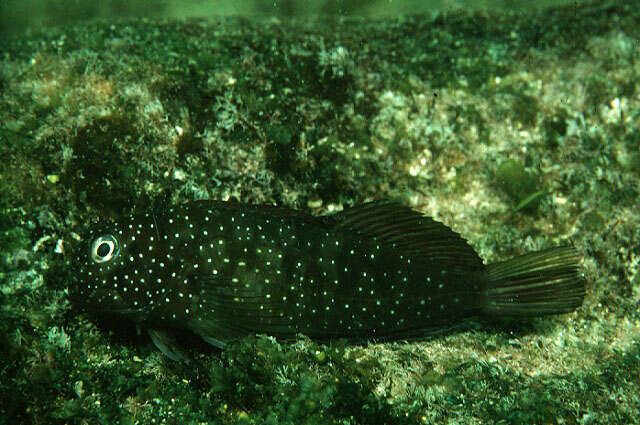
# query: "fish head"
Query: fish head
109,267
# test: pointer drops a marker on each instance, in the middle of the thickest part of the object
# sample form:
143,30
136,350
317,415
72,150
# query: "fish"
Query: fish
378,271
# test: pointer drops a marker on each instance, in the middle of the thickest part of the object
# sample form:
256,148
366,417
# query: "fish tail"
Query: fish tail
535,284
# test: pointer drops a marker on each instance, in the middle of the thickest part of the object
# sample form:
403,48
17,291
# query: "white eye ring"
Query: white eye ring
104,248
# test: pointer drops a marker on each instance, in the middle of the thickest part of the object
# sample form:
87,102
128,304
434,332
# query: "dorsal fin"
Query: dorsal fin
394,224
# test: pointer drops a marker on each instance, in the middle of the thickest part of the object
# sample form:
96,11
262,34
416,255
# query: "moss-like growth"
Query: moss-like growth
107,172
522,186
525,109
593,221
555,127
259,371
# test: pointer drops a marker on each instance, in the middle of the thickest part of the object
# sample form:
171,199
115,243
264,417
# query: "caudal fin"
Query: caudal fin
534,284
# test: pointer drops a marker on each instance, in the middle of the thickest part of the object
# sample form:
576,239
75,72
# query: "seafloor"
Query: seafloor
518,131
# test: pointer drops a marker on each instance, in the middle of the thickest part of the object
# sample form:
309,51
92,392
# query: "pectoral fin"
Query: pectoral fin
167,345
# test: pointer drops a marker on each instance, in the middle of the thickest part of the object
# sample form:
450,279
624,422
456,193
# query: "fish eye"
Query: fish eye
104,248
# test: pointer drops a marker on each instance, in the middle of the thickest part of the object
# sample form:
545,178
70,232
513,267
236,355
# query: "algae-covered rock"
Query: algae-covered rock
100,118
593,220
522,186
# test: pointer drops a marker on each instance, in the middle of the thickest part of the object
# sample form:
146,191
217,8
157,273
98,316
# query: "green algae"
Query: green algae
521,185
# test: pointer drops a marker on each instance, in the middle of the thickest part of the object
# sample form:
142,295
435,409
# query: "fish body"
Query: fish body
376,271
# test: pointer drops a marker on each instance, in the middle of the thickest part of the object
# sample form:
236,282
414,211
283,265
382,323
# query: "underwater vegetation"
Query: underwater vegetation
518,130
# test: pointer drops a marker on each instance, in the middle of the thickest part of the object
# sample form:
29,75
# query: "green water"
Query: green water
20,15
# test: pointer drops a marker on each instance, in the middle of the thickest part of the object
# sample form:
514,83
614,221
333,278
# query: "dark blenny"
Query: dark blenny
376,271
